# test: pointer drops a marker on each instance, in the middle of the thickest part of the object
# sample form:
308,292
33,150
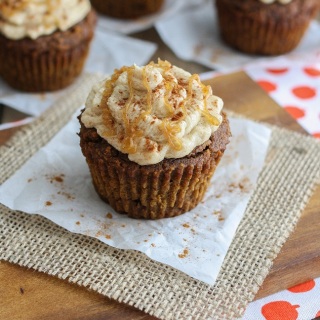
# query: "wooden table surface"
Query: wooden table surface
28,294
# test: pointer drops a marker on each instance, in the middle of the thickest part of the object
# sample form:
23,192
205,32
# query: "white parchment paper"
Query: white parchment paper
193,35
108,51
56,184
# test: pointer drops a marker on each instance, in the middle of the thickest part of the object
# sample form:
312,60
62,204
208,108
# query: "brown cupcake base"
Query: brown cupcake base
163,190
127,9
256,28
47,63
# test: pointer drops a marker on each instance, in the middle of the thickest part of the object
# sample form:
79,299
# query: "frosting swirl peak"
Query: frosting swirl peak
153,112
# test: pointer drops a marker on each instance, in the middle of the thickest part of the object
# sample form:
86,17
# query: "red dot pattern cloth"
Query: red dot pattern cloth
295,87
301,302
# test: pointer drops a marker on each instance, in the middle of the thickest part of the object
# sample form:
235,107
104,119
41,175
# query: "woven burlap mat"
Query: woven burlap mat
285,185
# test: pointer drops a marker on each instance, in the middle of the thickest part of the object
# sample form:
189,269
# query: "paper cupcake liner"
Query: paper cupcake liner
127,9
253,35
167,189
32,66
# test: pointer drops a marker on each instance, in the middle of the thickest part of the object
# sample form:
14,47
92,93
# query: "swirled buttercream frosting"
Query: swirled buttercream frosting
35,18
153,112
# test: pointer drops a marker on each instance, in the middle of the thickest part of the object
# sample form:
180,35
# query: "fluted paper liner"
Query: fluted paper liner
251,35
271,215
163,190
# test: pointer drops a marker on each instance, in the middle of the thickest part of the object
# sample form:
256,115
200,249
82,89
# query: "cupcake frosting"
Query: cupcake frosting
153,112
35,18
272,1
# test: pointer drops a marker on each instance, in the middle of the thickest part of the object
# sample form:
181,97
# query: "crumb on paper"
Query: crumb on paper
82,215
48,203
219,214
198,48
186,225
99,234
123,225
109,215
78,223
215,55
184,254
58,181
56,178
108,236
153,245
29,180
69,196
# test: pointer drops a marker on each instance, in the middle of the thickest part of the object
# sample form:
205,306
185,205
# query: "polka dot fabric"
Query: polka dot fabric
295,87
301,302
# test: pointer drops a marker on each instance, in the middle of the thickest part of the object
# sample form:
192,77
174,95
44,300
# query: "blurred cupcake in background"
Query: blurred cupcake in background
267,27
44,43
127,9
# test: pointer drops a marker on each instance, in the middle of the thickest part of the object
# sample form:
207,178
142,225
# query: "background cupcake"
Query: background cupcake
44,44
269,27
127,9
152,138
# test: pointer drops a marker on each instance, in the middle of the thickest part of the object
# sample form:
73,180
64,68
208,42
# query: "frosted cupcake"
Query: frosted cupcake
44,44
152,137
127,9
268,27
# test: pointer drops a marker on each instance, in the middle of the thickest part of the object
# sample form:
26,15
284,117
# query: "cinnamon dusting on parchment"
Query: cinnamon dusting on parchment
184,254
109,215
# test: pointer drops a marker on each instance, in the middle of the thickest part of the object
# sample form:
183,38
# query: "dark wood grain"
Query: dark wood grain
27,294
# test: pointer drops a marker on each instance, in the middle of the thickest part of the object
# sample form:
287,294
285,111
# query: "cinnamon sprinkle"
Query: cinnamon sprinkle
184,254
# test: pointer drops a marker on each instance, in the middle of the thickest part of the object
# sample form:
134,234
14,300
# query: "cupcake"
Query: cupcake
267,27
152,137
127,9
44,44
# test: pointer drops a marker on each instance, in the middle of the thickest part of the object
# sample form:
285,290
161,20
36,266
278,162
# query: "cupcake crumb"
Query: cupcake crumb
184,254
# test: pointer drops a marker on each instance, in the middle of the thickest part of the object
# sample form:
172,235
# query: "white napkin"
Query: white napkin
56,184
193,35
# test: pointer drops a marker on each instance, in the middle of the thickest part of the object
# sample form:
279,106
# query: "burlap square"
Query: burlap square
290,174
